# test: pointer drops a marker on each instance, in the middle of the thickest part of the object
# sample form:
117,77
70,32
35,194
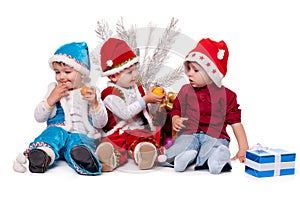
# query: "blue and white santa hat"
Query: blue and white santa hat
75,54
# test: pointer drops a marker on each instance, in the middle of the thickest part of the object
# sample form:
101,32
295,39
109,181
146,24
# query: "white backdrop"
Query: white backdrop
263,40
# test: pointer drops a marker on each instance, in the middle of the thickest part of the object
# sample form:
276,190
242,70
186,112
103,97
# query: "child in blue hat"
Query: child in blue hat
73,116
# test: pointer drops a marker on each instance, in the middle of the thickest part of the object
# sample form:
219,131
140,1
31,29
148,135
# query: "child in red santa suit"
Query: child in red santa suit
129,131
202,111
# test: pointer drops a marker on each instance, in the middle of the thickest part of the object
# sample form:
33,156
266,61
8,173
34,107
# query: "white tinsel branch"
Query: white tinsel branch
170,78
151,29
129,36
152,65
132,40
95,55
121,31
103,31
146,58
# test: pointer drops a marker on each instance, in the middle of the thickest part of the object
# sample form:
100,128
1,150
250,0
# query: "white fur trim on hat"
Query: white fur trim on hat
208,65
120,68
70,62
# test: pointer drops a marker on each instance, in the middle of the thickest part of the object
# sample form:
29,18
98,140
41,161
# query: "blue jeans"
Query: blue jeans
62,142
198,148
180,145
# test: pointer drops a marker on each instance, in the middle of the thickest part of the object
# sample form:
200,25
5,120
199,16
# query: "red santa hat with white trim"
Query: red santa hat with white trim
115,56
212,56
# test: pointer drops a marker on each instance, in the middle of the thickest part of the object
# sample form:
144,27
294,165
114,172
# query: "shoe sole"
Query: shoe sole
38,161
105,154
84,158
148,156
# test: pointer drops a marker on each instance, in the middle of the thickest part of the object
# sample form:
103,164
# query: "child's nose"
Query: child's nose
62,75
135,73
190,72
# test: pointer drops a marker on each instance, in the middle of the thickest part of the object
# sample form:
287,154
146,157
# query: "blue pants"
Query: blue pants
62,142
198,148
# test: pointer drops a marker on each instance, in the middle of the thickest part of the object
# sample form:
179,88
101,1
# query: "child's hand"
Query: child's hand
150,97
177,123
90,95
240,155
57,93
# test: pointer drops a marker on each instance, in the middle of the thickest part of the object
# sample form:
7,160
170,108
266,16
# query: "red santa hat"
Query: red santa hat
212,56
115,56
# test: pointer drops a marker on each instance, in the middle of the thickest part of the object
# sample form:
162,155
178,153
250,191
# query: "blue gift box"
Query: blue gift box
270,162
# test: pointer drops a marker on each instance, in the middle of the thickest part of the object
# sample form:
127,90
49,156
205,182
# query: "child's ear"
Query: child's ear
113,78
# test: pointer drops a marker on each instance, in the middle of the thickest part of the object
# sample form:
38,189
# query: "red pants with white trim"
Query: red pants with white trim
125,143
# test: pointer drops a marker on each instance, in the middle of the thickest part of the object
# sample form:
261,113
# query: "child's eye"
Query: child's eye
68,72
57,72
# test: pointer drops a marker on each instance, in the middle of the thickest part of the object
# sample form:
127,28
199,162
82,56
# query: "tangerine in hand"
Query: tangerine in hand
83,90
158,91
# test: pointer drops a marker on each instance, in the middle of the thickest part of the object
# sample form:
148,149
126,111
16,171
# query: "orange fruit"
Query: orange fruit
158,91
83,90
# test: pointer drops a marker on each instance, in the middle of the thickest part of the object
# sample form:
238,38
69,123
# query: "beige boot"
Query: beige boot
107,157
145,154
20,163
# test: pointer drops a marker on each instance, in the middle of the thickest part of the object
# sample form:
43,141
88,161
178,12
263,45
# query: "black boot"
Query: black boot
203,167
38,161
226,168
84,158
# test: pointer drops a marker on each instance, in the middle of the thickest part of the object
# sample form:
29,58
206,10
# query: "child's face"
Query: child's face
127,77
65,74
197,75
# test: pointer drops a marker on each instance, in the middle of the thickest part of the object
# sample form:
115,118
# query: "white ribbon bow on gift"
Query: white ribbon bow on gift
258,146
277,162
